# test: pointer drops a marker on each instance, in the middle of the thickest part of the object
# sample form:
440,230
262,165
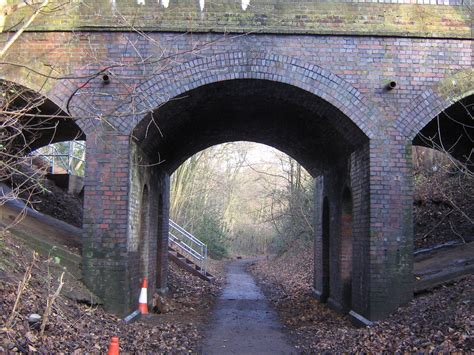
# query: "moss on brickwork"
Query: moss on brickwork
457,86
263,16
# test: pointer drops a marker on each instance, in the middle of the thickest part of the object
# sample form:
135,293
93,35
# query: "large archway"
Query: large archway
304,126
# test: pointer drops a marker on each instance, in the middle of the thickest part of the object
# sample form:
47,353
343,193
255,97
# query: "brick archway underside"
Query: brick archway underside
280,115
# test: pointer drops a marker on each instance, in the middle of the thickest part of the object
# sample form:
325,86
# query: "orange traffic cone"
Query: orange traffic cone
114,346
142,301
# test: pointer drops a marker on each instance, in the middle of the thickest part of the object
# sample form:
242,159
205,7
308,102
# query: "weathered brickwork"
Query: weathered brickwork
106,198
365,64
391,234
123,217
360,182
318,93
163,229
142,223
396,18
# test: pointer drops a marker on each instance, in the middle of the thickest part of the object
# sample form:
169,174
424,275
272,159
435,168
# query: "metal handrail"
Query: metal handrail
184,231
188,245
65,159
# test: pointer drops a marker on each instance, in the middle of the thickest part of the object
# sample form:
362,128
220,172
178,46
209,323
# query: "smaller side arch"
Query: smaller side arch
441,118
61,91
326,251
346,248
434,101
144,241
40,119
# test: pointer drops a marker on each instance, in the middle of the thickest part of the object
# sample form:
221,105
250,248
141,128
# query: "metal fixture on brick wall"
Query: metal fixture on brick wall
106,79
391,85
188,245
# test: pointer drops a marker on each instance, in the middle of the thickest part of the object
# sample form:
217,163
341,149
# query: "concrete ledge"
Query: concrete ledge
444,276
48,249
54,230
132,317
443,265
359,320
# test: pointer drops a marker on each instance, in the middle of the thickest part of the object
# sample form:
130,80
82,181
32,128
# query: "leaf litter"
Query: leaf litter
83,328
437,321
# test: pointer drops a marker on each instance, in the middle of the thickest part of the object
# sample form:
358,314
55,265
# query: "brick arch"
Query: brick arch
60,92
265,66
62,127
17,78
434,101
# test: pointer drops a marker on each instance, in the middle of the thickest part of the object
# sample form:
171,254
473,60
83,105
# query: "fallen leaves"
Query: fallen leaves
79,328
441,321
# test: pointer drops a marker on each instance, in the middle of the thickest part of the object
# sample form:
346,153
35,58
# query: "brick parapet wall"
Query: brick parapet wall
420,18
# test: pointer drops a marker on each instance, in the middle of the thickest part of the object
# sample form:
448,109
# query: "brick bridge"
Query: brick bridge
309,78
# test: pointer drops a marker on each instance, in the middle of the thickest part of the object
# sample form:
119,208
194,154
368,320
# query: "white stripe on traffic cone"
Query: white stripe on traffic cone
143,300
